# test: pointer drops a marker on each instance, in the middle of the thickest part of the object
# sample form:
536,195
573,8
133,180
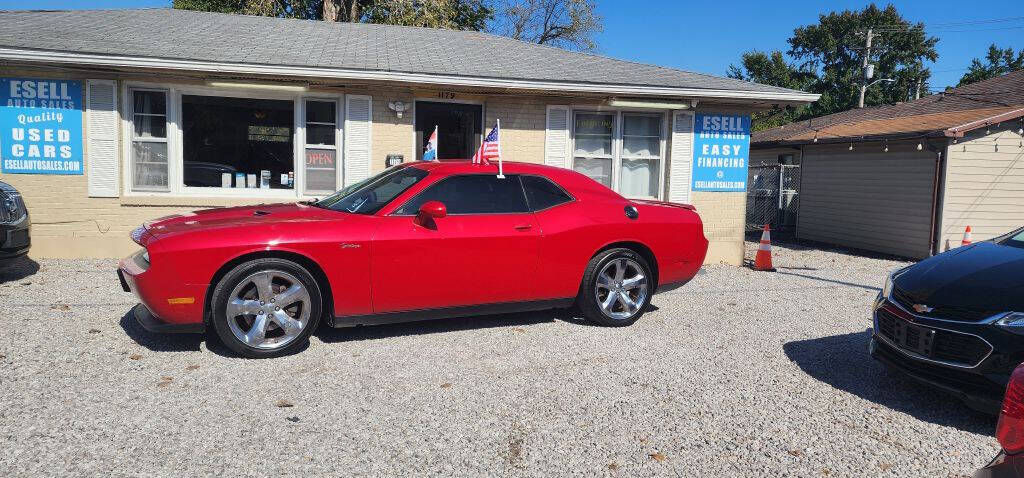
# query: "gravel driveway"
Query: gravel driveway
739,373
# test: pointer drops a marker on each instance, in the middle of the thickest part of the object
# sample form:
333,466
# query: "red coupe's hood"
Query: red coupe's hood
238,216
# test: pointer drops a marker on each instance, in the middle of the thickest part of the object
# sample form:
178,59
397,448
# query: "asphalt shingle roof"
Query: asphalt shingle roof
1001,98
213,37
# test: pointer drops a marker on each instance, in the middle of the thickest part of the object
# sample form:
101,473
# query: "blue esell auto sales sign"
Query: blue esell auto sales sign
40,126
721,151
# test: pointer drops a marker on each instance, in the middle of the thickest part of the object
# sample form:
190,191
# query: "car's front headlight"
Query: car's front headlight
887,288
1012,322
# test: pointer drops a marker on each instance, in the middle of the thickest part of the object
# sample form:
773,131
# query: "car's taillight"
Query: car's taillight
1010,429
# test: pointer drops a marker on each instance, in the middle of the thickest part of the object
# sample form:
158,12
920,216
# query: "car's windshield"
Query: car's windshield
1013,239
370,195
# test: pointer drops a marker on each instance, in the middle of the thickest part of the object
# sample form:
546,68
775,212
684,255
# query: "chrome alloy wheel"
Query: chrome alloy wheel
621,288
268,309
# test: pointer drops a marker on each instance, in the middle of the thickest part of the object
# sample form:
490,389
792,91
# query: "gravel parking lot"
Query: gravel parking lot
739,373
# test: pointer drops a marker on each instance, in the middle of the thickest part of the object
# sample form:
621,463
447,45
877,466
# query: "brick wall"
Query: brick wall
523,121
724,215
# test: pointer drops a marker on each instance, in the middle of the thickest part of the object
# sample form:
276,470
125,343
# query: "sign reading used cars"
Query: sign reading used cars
721,146
40,126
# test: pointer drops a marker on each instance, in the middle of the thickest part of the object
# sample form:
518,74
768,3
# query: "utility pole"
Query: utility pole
917,91
866,70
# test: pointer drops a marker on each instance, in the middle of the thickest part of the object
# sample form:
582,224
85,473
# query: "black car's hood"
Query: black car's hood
983,276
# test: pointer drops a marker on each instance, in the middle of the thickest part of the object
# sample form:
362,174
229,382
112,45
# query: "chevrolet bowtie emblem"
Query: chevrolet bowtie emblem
922,309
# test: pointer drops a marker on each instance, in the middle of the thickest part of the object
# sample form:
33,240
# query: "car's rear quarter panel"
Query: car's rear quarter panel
574,232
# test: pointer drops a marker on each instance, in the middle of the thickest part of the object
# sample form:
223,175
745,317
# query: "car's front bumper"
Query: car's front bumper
979,382
166,305
15,239
974,390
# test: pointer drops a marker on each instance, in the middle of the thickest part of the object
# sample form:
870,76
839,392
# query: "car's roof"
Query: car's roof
571,180
510,167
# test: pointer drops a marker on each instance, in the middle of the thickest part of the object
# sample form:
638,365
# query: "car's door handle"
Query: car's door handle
524,227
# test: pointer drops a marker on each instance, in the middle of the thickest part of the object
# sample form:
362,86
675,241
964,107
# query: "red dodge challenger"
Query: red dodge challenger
417,241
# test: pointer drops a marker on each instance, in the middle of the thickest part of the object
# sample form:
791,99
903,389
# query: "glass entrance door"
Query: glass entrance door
458,128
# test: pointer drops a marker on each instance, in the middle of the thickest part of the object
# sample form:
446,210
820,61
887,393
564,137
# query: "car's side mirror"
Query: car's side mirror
433,210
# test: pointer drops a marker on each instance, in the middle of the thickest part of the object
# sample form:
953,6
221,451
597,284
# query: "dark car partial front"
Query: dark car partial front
955,321
15,225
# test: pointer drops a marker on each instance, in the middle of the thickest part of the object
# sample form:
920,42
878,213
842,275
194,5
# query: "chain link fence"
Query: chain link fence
773,196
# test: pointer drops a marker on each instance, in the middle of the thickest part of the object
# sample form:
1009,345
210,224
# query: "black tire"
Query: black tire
587,299
231,280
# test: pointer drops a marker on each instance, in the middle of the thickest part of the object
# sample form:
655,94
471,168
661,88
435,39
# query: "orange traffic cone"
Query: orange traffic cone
967,237
763,259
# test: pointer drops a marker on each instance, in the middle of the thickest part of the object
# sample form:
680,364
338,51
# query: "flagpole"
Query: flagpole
501,174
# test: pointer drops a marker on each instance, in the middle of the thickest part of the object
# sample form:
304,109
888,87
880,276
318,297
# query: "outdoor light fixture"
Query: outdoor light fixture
662,105
920,146
399,108
886,149
299,87
851,146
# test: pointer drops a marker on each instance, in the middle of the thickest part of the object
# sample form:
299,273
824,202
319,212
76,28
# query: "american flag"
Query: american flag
490,149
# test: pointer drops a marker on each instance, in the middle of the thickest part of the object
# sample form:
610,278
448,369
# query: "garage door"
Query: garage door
868,198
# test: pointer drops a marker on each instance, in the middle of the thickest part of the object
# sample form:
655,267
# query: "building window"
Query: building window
321,149
592,152
622,150
640,168
149,140
237,142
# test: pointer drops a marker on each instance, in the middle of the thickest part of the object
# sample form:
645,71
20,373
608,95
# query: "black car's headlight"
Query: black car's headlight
1012,322
14,207
889,279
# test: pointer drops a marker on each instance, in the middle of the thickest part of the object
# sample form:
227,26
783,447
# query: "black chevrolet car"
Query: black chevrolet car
14,224
955,321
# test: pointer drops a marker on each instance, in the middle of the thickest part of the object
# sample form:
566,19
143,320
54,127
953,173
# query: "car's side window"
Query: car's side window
542,193
473,194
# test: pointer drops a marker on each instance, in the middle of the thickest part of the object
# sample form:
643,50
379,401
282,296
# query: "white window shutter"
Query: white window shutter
556,139
358,119
102,121
681,166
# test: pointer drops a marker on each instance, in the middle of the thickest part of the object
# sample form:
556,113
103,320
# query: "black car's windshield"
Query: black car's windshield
1013,239
373,193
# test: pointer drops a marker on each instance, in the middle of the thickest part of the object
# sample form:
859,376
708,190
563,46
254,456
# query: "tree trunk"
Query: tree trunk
332,10
354,13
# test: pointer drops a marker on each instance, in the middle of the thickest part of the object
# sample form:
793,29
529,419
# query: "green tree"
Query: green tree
999,62
306,9
451,14
772,69
832,51
834,47
448,14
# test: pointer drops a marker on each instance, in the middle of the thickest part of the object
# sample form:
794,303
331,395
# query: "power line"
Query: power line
948,25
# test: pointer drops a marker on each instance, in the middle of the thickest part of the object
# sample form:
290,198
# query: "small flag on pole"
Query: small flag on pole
490,149
430,153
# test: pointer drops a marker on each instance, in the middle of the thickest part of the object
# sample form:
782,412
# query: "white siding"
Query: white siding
868,199
984,185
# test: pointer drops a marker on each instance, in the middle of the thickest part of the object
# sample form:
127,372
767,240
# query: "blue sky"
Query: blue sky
708,36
